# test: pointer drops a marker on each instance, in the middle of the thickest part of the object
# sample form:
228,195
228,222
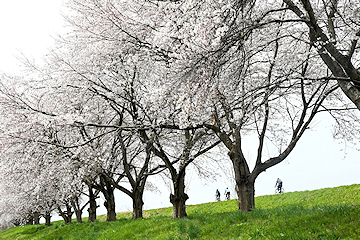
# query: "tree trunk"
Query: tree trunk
78,214
93,206
47,219
66,215
108,191
77,209
69,213
110,205
179,197
244,186
36,218
92,214
138,204
246,192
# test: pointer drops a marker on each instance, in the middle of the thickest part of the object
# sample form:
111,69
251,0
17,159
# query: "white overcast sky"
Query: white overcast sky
317,161
26,26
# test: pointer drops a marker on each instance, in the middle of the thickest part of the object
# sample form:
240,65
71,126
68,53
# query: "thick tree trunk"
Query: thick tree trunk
69,213
110,205
179,197
246,193
244,184
92,214
138,204
107,190
178,202
93,206
78,214
47,219
36,218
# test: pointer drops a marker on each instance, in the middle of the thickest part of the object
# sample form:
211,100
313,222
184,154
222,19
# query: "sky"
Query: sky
318,161
27,27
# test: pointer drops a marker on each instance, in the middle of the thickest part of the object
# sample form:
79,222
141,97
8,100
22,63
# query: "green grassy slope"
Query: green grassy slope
332,213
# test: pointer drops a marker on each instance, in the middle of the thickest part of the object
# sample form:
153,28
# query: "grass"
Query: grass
331,213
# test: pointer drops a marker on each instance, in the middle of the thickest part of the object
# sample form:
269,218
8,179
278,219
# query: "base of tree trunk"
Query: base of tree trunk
137,208
111,213
246,194
92,214
36,218
111,216
93,206
78,214
47,220
179,205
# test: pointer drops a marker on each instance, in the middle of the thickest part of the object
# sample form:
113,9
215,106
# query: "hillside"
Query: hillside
331,213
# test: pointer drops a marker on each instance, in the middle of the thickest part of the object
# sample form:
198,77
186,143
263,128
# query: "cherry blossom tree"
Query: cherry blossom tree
135,82
332,28
260,70
39,175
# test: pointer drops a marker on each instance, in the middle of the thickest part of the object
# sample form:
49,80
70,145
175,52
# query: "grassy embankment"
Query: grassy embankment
332,213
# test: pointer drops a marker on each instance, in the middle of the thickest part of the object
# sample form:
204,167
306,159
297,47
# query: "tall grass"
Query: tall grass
322,214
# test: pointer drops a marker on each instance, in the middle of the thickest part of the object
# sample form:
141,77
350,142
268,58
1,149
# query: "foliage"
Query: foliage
331,213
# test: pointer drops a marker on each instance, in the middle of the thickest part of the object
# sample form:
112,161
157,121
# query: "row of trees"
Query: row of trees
138,88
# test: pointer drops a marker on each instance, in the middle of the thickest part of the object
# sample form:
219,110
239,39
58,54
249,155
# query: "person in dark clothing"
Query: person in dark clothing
217,195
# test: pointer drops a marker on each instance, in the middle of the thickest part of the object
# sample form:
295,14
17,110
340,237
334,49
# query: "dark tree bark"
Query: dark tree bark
136,193
78,214
66,215
179,198
47,219
36,218
246,193
108,192
75,203
244,186
92,205
110,208
138,204
339,64
137,179
106,187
